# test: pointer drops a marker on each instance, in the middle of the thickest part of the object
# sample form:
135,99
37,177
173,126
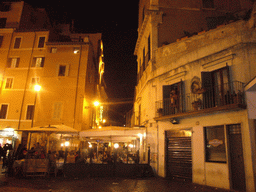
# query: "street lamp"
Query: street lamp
37,88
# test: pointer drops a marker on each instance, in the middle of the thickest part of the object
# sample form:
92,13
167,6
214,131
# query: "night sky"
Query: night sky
118,22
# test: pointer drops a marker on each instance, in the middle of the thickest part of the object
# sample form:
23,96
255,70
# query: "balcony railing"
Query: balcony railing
212,98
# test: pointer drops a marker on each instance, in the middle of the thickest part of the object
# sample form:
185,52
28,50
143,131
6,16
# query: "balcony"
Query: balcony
208,100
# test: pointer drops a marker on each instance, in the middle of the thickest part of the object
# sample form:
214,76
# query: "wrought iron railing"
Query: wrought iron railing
208,97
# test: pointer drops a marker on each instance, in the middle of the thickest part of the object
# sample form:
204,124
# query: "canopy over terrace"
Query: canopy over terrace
134,137
113,134
57,129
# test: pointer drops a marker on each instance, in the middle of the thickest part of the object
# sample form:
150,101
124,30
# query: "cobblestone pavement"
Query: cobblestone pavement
61,184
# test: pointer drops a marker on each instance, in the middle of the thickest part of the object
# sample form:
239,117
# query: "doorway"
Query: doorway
179,154
236,157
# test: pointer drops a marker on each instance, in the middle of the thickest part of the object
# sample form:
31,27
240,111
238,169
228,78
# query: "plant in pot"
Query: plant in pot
197,104
160,111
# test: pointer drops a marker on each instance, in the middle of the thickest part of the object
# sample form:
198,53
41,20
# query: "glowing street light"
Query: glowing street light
96,103
37,88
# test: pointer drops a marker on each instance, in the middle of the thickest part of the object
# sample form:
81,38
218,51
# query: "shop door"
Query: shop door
236,157
179,156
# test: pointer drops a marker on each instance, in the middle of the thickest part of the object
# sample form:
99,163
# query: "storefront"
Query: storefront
8,136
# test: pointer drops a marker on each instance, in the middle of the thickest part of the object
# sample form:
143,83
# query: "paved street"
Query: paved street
60,184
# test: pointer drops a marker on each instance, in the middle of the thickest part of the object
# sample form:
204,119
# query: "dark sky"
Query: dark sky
118,22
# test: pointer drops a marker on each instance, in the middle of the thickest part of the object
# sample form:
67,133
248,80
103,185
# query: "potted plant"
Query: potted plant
197,104
160,111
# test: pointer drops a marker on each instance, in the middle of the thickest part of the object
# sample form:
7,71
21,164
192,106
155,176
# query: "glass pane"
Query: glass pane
17,43
215,144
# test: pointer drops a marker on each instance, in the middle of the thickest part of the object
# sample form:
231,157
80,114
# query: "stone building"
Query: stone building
194,94
67,66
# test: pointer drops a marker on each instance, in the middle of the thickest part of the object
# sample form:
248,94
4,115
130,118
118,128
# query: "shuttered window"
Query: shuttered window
57,110
3,112
30,112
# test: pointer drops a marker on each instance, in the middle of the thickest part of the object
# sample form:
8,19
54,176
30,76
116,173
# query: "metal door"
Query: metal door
179,156
236,157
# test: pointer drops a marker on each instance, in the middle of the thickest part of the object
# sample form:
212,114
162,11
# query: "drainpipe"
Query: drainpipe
77,82
157,149
26,83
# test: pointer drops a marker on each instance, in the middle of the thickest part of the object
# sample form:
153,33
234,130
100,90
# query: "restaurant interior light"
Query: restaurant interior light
66,143
116,145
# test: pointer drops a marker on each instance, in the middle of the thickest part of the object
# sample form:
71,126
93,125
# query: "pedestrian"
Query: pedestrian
1,152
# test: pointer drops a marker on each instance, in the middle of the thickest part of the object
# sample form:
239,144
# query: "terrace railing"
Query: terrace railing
211,97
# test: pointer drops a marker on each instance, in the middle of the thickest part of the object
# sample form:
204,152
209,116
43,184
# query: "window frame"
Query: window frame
10,62
6,113
59,112
14,44
37,81
11,85
215,142
53,50
39,42
34,62
31,115
1,40
66,70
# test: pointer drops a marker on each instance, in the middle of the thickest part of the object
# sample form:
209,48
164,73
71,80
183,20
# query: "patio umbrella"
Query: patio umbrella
51,128
62,129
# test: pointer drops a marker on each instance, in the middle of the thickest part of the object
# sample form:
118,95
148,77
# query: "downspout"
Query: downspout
26,83
77,82
157,149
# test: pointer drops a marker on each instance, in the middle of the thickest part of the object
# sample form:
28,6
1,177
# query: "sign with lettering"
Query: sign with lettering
215,142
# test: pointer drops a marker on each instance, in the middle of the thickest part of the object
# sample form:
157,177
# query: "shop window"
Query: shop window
9,83
38,62
215,144
3,112
30,112
17,42
41,42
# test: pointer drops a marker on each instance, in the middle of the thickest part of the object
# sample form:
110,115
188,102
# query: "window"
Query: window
3,112
172,98
9,83
41,42
34,81
215,144
217,85
208,3
38,62
13,62
54,50
57,110
30,112
1,40
5,7
63,70
17,42
3,22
